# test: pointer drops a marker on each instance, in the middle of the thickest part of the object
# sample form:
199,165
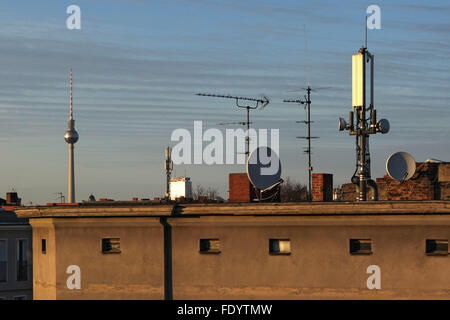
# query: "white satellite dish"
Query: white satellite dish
264,168
400,166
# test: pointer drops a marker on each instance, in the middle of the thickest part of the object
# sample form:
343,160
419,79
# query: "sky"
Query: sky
137,65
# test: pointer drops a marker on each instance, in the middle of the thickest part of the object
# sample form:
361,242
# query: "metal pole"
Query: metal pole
309,144
168,183
248,132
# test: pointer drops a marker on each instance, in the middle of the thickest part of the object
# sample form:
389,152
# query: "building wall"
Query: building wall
422,186
44,270
319,266
135,273
430,182
444,181
239,187
12,288
322,187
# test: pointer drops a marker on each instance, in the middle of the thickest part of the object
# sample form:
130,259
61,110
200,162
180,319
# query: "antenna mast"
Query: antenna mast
363,128
168,166
308,122
259,103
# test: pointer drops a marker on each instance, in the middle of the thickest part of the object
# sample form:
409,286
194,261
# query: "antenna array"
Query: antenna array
260,103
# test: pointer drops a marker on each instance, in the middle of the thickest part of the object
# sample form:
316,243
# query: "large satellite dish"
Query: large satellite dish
400,166
264,168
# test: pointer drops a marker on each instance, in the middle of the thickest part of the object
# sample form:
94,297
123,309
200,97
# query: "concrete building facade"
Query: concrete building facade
242,251
16,269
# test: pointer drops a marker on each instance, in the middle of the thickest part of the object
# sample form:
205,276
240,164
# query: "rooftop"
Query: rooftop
158,209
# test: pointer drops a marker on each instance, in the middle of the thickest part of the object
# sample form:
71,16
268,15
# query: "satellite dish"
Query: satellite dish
400,166
263,168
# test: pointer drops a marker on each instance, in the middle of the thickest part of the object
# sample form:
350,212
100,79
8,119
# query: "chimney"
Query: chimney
13,199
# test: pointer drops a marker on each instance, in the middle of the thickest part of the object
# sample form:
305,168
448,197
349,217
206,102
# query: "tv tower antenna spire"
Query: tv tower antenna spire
71,137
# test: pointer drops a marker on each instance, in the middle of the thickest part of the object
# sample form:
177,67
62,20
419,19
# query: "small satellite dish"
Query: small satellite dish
263,168
400,166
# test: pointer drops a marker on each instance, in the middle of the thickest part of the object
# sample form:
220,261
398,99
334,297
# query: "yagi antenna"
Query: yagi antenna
307,103
242,123
260,103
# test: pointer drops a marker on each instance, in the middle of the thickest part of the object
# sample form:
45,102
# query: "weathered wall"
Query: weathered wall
44,265
239,187
349,192
11,233
444,181
322,187
320,265
422,186
136,273
430,182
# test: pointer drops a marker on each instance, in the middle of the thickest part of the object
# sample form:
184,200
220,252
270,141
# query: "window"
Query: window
437,247
44,245
360,246
111,245
279,246
22,260
3,260
209,246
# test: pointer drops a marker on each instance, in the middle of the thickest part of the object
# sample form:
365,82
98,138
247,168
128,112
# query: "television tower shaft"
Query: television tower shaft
71,137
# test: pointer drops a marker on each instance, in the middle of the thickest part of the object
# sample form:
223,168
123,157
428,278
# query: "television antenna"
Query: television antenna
61,197
168,166
307,103
242,123
257,103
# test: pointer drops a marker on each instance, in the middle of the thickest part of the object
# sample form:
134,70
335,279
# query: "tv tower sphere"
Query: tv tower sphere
71,135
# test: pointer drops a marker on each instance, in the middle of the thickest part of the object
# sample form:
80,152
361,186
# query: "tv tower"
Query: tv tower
71,137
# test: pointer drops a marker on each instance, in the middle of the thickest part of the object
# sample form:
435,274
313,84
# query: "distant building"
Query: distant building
180,188
16,269
319,250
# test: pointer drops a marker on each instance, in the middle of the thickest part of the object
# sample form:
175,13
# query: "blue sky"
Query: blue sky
137,65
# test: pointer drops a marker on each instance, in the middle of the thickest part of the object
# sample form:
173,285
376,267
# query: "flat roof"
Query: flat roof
150,209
